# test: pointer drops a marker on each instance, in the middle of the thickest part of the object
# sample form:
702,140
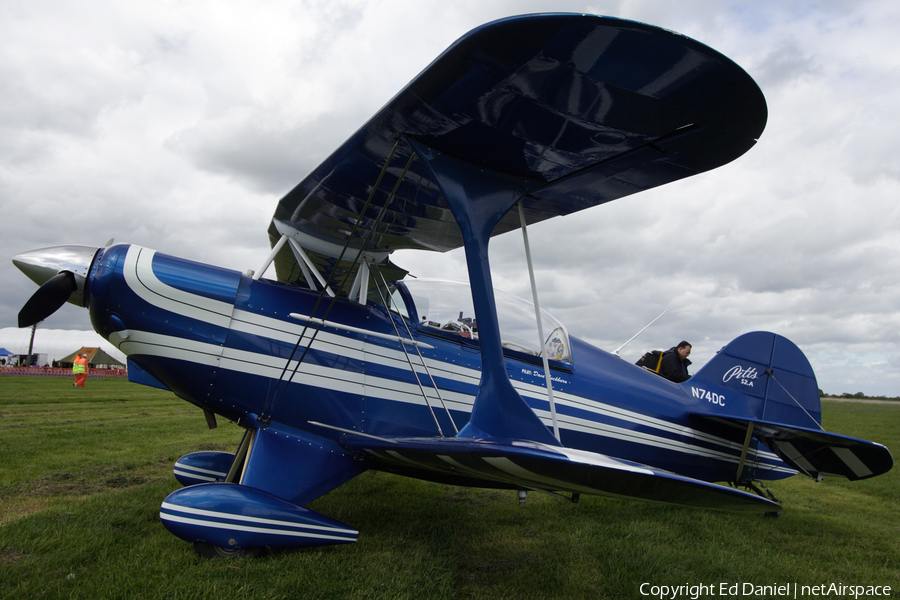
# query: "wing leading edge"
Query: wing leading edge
530,465
579,109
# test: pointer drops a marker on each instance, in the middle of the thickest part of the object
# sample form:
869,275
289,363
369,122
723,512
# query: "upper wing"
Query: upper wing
530,465
581,109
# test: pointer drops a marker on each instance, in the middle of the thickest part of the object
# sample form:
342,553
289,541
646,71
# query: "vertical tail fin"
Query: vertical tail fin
763,384
762,376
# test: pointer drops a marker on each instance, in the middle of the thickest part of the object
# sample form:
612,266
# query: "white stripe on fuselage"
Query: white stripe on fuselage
141,279
139,275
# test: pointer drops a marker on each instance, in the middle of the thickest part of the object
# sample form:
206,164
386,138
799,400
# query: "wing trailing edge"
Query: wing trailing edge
530,465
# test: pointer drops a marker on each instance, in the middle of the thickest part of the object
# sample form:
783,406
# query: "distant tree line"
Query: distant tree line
859,395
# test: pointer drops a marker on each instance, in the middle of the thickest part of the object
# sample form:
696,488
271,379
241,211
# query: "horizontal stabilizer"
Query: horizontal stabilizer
815,452
530,465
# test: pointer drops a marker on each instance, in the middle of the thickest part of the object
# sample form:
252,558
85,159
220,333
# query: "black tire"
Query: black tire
209,551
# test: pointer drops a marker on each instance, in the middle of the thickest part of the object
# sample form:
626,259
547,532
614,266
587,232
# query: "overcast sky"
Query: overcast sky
178,126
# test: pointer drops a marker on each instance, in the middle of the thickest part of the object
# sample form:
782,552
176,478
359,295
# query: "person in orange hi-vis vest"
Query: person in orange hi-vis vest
79,369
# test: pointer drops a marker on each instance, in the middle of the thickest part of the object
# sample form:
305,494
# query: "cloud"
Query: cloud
178,126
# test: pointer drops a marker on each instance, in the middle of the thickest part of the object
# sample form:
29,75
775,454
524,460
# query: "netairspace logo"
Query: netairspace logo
752,590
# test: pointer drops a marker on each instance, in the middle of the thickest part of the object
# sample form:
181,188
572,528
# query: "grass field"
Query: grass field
83,472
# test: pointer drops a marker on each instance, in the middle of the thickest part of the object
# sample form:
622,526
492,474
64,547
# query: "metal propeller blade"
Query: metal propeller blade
47,299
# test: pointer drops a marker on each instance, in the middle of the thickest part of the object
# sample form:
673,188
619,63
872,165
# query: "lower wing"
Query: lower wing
530,465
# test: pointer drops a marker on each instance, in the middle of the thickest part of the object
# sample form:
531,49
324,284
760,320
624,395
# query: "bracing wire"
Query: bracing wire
276,396
388,303
819,425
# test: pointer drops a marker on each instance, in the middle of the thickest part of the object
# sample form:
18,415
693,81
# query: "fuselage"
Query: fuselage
226,342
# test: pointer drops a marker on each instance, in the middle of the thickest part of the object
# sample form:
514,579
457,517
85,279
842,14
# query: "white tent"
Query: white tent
55,343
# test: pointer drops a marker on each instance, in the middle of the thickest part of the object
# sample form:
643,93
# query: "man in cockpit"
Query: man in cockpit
675,363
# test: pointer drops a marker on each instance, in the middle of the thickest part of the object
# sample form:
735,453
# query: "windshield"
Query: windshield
447,306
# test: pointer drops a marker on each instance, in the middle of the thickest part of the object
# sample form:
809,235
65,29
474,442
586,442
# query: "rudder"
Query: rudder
760,375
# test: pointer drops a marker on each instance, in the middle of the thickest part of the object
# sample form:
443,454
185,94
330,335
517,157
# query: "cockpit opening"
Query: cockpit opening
446,306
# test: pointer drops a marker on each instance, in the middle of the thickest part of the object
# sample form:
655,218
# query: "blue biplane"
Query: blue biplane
342,364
